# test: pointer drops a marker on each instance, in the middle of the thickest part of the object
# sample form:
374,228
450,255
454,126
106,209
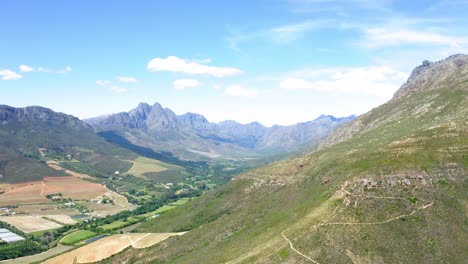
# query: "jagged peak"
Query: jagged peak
428,71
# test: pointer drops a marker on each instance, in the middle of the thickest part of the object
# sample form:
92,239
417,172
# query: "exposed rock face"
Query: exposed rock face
429,71
430,76
39,114
193,130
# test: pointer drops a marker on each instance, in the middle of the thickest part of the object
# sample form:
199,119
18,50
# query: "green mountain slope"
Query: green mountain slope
390,187
26,132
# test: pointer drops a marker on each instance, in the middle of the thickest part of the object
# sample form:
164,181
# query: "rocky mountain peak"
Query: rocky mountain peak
39,114
432,71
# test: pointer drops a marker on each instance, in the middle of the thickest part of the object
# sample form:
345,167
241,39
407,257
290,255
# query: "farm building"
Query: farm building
8,236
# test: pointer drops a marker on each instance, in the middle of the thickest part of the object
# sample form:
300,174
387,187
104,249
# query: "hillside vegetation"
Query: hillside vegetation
390,187
30,135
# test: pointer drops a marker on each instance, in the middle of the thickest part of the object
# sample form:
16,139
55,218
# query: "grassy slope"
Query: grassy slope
243,220
20,159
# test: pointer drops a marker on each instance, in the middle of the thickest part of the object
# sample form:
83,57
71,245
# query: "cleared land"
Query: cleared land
30,193
109,246
29,224
64,219
144,165
23,193
73,187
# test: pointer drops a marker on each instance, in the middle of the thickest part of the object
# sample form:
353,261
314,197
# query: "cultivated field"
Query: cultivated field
109,246
23,193
64,219
73,187
143,165
29,224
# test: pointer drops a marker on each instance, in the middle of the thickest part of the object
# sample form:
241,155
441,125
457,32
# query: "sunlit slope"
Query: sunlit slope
28,136
388,188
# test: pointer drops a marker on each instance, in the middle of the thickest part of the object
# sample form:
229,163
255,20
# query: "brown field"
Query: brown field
30,193
29,224
109,246
64,219
73,187
23,193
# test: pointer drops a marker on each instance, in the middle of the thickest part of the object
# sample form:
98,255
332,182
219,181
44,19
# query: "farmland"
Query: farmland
72,187
109,246
63,219
29,224
143,165
76,237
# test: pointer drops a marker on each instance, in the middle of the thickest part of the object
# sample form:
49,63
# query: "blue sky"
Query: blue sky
277,62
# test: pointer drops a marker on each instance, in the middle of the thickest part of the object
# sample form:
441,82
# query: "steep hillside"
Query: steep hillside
388,188
29,135
192,136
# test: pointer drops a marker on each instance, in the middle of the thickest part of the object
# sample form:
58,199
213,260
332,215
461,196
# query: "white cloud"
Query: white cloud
9,75
175,64
380,37
103,82
239,91
26,68
376,80
118,90
125,79
185,83
60,71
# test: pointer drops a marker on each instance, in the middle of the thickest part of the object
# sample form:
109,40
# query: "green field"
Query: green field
77,237
114,225
144,165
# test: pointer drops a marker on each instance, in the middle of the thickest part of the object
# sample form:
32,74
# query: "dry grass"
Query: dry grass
109,246
23,193
29,224
73,187
64,219
144,165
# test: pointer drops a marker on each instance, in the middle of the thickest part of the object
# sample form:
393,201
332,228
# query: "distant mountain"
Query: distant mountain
388,187
28,135
192,136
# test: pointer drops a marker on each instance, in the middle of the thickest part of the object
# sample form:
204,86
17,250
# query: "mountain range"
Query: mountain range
192,136
388,187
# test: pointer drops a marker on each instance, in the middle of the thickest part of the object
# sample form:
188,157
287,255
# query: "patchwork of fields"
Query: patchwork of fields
28,223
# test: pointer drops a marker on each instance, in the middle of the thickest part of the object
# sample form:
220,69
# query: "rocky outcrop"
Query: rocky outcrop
429,71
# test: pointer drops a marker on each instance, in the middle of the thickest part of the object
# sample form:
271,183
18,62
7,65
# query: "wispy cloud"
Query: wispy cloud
376,80
67,69
239,91
9,75
378,37
178,65
291,32
185,84
126,79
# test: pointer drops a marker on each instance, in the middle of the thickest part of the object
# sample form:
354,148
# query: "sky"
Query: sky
272,61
